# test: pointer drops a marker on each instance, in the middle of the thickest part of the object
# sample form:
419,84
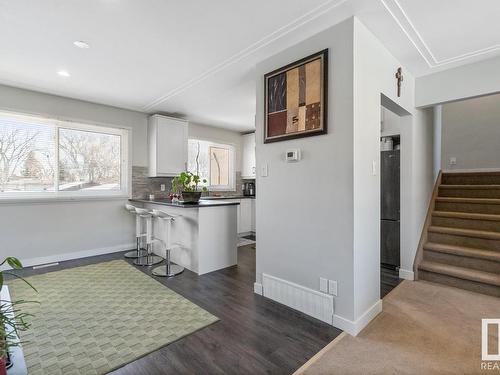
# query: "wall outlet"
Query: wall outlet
162,187
374,168
453,161
323,285
332,287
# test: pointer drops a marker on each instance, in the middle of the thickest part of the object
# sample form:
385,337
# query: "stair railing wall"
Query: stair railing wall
428,220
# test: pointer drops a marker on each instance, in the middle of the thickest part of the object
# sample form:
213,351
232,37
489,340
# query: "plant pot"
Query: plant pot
3,368
191,197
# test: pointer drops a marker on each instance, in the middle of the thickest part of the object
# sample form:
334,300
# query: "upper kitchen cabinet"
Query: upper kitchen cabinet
167,143
248,156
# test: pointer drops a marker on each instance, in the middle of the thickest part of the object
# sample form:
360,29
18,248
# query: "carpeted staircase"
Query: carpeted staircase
461,245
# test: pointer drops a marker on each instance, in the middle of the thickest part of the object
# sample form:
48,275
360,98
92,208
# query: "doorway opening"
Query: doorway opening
390,194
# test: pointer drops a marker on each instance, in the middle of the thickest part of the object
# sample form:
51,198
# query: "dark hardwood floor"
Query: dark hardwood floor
254,335
389,279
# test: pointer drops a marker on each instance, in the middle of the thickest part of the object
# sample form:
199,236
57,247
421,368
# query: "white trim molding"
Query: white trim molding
75,255
310,302
406,274
258,288
305,18
407,26
356,326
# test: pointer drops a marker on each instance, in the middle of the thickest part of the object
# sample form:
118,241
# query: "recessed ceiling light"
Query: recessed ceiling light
81,44
63,73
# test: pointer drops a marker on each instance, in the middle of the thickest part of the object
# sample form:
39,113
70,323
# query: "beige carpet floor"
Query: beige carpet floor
93,319
424,328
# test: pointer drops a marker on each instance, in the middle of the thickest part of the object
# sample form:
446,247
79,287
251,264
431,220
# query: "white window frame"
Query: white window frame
20,196
232,170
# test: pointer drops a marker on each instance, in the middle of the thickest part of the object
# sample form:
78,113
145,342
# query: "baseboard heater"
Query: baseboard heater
310,302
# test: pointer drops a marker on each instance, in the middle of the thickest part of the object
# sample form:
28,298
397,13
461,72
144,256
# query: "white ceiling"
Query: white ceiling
196,58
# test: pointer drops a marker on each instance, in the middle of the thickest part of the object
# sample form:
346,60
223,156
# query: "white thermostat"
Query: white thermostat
292,155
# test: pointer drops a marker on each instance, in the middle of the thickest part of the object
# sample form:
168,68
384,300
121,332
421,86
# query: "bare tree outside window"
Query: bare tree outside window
88,160
26,162
40,155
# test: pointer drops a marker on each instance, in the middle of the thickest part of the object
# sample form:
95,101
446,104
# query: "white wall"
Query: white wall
304,210
374,75
471,133
390,123
321,217
220,135
466,81
41,232
25,101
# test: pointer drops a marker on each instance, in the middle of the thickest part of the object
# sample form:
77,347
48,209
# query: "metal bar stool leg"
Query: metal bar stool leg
138,252
169,269
150,259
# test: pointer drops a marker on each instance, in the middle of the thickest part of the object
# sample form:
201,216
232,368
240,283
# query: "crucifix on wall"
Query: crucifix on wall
399,77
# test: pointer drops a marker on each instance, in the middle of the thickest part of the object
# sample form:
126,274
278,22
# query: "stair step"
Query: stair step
467,178
472,205
468,200
461,273
470,191
466,215
465,232
466,220
469,252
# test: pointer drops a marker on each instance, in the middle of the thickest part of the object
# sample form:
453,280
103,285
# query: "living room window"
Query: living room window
213,162
42,157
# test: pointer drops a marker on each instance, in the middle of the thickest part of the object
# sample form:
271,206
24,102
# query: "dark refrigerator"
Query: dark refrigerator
390,208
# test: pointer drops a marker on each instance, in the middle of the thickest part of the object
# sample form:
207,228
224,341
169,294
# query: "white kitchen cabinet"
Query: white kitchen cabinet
248,156
245,215
167,145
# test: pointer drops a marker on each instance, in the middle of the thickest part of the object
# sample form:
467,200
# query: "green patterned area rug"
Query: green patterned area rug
94,319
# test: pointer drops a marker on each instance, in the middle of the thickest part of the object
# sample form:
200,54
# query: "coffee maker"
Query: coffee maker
249,189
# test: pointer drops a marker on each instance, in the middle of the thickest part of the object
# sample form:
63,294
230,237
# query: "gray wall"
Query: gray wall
44,231
320,217
466,81
305,209
471,133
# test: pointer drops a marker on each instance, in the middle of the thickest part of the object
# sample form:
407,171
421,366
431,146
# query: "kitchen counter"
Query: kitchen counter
202,203
203,236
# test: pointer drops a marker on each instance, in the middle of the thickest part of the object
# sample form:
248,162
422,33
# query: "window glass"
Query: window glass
27,157
88,160
213,162
46,157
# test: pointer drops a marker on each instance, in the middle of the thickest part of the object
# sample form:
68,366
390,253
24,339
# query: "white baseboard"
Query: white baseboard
355,327
310,302
407,275
75,255
257,288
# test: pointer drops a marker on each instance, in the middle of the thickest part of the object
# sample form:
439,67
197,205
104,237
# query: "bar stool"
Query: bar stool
139,252
150,259
169,269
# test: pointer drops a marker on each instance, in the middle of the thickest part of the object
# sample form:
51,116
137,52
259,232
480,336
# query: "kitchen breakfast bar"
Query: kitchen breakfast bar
203,235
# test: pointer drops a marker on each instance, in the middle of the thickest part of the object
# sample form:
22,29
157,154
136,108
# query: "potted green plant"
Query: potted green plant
186,184
12,319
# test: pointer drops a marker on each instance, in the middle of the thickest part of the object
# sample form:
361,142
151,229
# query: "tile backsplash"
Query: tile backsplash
143,186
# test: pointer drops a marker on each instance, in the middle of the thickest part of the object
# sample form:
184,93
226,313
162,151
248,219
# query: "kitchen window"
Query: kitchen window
46,158
213,162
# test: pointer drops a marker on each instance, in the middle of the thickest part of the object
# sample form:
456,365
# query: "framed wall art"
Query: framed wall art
296,99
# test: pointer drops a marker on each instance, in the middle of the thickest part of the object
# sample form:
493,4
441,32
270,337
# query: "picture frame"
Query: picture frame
296,99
